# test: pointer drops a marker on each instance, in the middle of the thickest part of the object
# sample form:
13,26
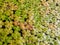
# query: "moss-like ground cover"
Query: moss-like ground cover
29,22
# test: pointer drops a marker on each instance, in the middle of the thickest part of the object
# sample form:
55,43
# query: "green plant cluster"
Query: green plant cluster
42,16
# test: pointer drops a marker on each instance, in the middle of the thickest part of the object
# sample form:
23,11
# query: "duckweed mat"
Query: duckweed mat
29,22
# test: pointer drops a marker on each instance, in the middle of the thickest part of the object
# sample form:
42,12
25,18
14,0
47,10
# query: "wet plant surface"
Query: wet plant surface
29,22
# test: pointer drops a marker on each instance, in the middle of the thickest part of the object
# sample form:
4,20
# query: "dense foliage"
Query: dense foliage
29,22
